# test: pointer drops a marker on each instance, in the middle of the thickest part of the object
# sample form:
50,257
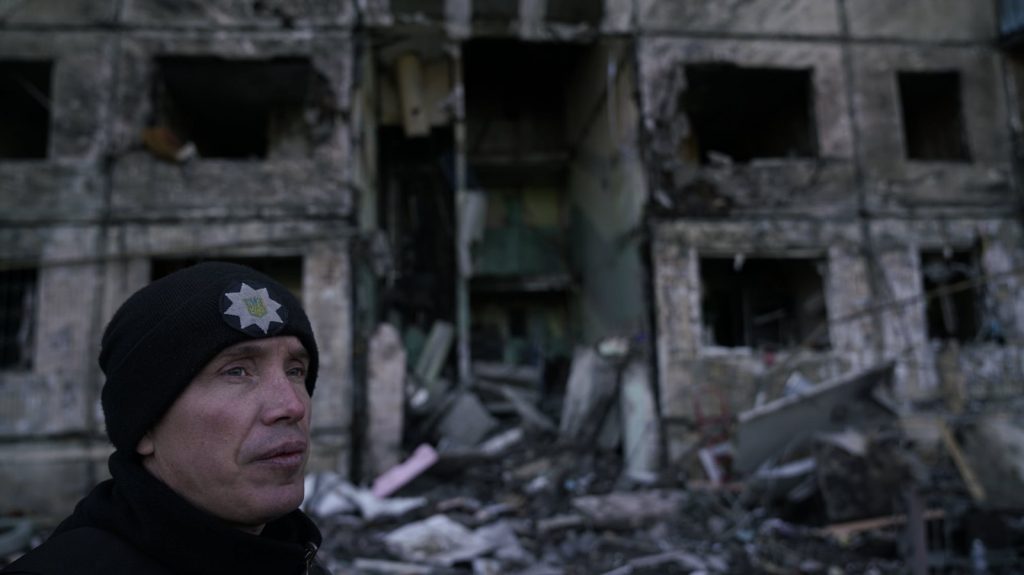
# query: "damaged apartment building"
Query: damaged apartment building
478,201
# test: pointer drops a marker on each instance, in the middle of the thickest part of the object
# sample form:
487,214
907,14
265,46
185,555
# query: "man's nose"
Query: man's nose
287,401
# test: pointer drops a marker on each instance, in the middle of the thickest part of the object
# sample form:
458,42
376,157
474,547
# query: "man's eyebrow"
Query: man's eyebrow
241,351
250,350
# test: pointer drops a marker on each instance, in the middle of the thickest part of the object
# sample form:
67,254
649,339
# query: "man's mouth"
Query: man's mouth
286,454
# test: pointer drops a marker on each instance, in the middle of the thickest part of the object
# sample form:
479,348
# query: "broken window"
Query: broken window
286,270
933,120
763,303
747,113
953,307
17,317
24,109
243,108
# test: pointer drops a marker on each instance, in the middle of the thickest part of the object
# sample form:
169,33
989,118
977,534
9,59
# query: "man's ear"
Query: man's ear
146,445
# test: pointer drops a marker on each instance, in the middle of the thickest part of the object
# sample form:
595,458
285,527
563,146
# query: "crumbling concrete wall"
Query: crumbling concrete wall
901,243
542,20
895,183
99,207
859,204
702,384
921,20
313,185
822,185
93,213
791,17
70,189
222,14
47,210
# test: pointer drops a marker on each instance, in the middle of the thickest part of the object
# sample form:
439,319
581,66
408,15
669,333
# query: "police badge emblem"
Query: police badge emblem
251,309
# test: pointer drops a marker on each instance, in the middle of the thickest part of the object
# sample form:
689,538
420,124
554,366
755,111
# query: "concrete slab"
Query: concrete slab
766,431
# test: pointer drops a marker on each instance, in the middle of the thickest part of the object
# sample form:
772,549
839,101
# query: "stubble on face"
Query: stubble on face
235,443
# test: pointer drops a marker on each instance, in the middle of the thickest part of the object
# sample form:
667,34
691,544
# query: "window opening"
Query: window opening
241,108
747,113
286,270
24,109
933,120
17,317
953,308
763,303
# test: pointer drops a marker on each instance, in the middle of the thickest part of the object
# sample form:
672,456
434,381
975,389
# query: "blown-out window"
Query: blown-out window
238,109
746,113
933,119
24,109
953,295
763,303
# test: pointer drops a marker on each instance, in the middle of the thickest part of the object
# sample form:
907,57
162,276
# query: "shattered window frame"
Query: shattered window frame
954,299
739,114
735,302
25,109
18,303
934,126
236,108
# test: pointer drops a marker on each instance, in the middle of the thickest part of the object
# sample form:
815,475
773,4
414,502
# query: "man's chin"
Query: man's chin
270,503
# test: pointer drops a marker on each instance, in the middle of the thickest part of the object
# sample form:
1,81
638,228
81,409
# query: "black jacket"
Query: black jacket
135,524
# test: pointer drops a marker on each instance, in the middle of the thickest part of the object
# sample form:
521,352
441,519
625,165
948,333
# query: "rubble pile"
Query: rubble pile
829,477
553,510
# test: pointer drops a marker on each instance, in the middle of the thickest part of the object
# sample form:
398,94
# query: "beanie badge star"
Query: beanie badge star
254,308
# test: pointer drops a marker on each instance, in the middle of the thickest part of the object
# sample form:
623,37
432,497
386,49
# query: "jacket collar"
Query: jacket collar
149,515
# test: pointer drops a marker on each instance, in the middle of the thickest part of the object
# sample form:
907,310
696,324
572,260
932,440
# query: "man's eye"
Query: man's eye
297,372
235,371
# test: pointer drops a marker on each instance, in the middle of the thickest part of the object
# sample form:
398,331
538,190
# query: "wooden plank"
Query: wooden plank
842,532
974,486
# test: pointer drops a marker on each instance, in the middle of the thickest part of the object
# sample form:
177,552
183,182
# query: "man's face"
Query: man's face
236,441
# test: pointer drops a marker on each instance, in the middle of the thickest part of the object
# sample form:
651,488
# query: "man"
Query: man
209,373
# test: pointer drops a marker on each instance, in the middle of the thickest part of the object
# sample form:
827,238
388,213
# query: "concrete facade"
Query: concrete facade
859,206
602,164
94,214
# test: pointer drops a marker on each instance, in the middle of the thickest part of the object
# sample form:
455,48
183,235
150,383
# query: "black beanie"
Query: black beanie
165,333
